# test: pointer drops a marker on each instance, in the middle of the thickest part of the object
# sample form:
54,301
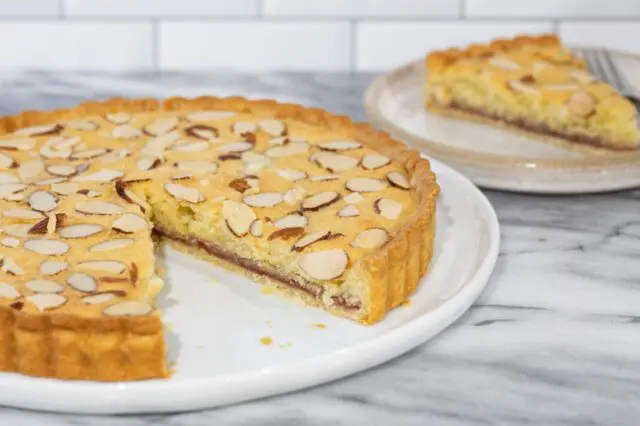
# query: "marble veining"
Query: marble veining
553,340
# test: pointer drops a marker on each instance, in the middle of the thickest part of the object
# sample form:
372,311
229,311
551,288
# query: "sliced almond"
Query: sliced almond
343,145
388,208
254,162
324,265
83,230
17,230
320,200
112,266
49,224
288,150
197,167
191,147
156,147
353,198
504,63
6,162
235,147
241,185
30,169
324,178
47,247
201,131
582,104
128,308
129,223
242,128
161,126
349,211
148,163
66,188
46,301
263,199
562,87
286,233
365,185
51,181
291,174
43,201
85,125
238,216
282,140
99,298
184,193
12,191
98,207
10,242
90,193
10,266
6,177
50,149
520,87
126,131
130,196
273,127
88,154
374,161
256,228
111,245
7,291
44,286
293,220
399,180
309,239
210,115
61,170
118,117
22,144
104,175
337,163
371,238
27,214
82,282
46,129
53,267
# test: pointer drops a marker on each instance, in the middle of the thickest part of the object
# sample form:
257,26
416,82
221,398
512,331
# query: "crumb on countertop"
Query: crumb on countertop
319,325
267,341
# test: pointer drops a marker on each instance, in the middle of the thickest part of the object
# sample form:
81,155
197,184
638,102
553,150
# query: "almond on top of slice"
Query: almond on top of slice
239,217
324,265
184,193
263,199
319,200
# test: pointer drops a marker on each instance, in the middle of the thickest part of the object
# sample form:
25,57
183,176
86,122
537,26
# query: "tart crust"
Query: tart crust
66,346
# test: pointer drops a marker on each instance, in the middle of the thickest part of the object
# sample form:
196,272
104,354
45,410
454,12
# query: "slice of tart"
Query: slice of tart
322,209
532,85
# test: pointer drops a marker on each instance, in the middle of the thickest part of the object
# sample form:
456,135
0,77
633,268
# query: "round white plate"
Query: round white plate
492,157
216,321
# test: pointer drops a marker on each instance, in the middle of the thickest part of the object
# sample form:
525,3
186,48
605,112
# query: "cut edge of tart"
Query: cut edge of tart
127,342
535,86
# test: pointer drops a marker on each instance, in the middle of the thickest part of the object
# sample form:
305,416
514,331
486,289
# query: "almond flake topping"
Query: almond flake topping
345,145
97,299
349,211
309,239
288,150
353,198
191,147
129,223
6,177
324,178
17,230
365,185
282,140
30,169
520,87
82,282
238,216
156,147
46,129
294,195
242,128
128,308
504,63
126,131
197,167
89,154
399,180
148,163
291,174
66,188
44,286
6,162
293,220
10,242
112,245
184,193
235,147
46,301
324,265
53,267
47,247
161,126
22,214
112,266
371,238
104,175
336,163
42,201
17,144
61,170
256,228
321,199
263,199
98,207
273,127
201,131
210,115
86,125
11,267
7,291
582,104
374,161
388,208
118,117
83,230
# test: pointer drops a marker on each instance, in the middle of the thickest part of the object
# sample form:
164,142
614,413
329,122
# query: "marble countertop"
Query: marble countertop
553,340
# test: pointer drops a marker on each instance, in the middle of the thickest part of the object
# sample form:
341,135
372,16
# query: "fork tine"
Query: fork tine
615,72
596,66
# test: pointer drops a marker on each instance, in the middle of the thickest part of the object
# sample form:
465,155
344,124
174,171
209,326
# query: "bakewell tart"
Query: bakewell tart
318,207
533,85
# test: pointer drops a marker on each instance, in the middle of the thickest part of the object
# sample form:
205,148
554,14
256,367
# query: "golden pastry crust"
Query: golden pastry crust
66,346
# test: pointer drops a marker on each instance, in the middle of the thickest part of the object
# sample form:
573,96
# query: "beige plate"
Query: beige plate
492,157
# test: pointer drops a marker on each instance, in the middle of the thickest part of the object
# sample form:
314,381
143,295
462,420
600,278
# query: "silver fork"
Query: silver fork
604,67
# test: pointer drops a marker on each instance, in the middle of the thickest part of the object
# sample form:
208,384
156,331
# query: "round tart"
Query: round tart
323,209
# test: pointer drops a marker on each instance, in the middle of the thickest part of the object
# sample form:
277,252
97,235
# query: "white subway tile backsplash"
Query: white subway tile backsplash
255,45
382,45
77,45
361,8
160,8
618,35
552,8
29,7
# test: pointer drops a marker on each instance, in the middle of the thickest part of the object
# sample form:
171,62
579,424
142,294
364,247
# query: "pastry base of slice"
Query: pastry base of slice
576,142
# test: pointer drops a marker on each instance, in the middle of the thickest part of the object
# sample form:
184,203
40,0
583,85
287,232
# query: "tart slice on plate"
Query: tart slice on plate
533,85
322,209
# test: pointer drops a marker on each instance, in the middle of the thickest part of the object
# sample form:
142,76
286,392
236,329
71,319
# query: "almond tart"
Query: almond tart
532,85
320,208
